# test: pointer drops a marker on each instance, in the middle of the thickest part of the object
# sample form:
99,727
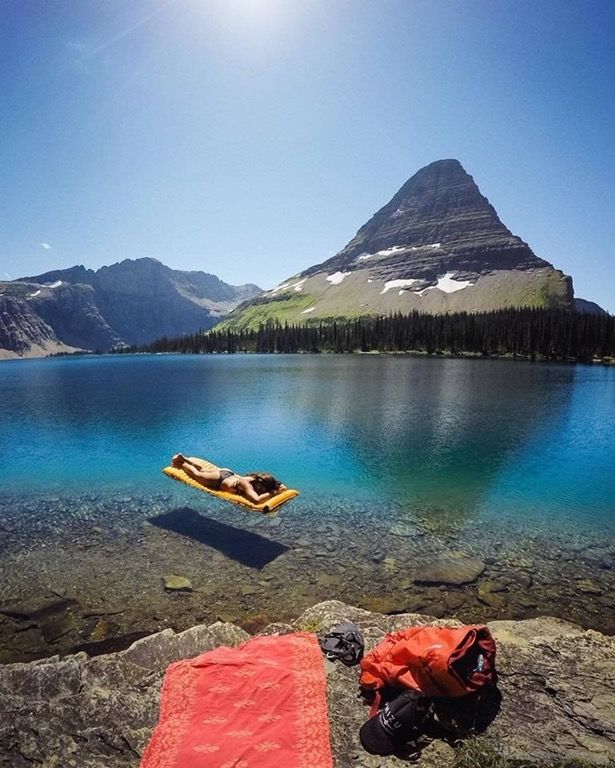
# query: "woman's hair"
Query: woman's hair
263,482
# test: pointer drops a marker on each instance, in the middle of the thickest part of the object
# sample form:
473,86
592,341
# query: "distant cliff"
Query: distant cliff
133,302
23,333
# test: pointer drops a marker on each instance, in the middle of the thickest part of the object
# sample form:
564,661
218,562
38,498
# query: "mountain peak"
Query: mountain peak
450,164
144,263
440,204
142,260
439,174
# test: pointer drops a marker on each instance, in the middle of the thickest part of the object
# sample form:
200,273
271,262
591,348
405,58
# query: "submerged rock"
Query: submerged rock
173,583
491,598
405,530
56,626
453,568
520,579
588,587
453,600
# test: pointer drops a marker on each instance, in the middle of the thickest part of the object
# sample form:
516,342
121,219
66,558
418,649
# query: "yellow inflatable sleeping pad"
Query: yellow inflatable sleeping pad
269,505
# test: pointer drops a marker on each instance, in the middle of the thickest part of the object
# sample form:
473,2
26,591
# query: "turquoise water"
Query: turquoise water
461,439
402,462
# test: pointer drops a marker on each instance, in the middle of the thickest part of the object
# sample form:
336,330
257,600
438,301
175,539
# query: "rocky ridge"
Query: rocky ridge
24,333
437,246
557,686
133,302
588,307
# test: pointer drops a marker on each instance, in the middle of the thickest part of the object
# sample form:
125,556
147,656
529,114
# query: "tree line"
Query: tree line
526,333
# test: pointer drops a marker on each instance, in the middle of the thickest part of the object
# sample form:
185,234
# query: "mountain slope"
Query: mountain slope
23,333
437,246
588,307
132,302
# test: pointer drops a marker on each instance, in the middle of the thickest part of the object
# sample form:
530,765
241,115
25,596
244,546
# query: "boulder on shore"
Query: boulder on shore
557,683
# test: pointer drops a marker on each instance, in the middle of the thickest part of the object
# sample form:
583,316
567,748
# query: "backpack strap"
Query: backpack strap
376,705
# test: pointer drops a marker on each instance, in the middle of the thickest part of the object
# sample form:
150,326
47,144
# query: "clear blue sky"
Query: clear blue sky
252,138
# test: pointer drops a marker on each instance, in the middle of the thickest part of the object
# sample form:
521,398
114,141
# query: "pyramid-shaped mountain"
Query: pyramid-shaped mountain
437,246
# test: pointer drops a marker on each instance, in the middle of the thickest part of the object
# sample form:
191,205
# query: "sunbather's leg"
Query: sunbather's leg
208,477
179,460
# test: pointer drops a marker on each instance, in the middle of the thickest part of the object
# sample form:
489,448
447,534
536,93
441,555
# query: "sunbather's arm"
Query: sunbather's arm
247,490
196,463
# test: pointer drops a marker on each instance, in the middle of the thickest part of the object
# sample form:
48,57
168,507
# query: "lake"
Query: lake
400,461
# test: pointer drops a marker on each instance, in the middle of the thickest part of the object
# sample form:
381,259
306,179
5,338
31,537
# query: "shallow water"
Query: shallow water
398,459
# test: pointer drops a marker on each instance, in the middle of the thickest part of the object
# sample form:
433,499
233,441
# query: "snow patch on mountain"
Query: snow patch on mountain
280,287
447,284
382,254
433,246
398,284
337,277
283,286
391,251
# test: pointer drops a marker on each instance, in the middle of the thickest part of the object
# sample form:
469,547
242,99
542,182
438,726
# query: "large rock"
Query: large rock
557,683
83,712
174,583
453,568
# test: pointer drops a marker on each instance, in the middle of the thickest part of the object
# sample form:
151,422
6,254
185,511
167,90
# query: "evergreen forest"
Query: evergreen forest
524,333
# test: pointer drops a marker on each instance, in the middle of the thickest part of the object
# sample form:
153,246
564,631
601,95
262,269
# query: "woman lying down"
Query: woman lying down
256,486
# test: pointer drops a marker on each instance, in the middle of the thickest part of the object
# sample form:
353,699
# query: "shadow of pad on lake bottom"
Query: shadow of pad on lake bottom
242,546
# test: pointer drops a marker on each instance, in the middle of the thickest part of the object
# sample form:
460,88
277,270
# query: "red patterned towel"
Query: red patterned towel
260,705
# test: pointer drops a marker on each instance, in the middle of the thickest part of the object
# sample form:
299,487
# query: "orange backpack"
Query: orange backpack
437,661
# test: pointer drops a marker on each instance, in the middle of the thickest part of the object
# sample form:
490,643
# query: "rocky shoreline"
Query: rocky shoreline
557,685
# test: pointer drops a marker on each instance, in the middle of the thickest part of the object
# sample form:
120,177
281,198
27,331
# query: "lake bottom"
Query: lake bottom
85,572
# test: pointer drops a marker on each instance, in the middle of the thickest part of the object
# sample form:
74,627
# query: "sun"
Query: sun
250,17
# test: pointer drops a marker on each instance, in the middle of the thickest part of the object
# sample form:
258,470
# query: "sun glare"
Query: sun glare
256,20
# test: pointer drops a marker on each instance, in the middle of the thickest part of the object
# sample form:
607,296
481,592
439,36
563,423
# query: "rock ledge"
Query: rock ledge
557,683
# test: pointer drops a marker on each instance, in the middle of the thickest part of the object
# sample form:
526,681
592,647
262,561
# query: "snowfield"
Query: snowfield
398,284
447,284
337,277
